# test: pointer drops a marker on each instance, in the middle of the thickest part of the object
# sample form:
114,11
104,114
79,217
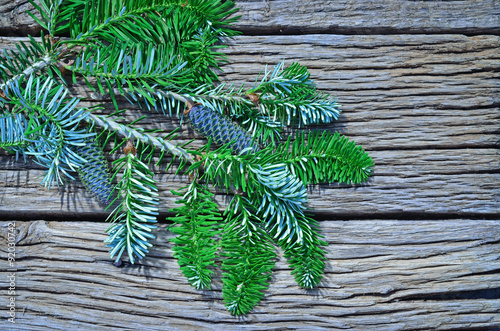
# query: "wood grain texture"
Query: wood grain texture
425,107
343,16
14,19
415,248
369,17
381,275
457,194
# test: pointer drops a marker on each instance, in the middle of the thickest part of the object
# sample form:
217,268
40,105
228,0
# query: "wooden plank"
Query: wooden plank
343,16
369,17
380,275
396,91
425,107
389,192
438,91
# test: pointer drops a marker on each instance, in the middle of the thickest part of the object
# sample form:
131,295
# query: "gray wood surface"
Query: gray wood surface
340,16
425,107
417,247
369,17
380,275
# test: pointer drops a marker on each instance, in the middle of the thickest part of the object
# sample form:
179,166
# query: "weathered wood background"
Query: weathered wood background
417,247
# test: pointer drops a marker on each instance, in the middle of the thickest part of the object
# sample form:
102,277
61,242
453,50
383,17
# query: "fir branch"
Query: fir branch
222,98
306,260
283,80
133,219
156,99
215,13
324,158
225,170
97,19
169,102
192,31
173,100
27,60
248,258
49,11
135,69
200,53
27,72
30,59
263,129
304,107
289,96
277,194
53,128
13,127
196,224
282,199
125,63
164,55
139,19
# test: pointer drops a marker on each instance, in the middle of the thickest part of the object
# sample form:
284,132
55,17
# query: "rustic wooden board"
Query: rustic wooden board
457,194
369,17
381,275
342,16
425,107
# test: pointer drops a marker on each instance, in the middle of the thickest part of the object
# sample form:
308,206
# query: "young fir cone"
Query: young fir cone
94,174
221,129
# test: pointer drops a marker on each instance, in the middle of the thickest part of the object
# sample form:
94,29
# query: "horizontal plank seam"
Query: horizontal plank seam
100,217
327,31
487,294
368,31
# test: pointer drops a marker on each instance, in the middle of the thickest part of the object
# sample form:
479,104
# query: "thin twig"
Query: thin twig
35,67
127,132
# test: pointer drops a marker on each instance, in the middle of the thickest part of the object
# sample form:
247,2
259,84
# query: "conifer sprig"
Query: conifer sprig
49,11
248,258
29,59
141,20
118,68
132,221
320,157
307,260
289,95
196,224
164,55
283,199
53,130
128,132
